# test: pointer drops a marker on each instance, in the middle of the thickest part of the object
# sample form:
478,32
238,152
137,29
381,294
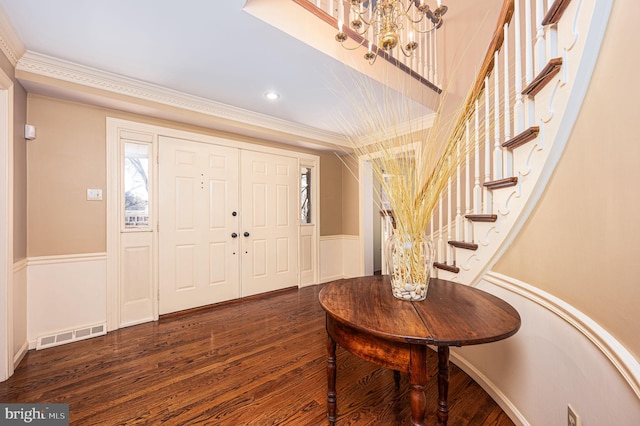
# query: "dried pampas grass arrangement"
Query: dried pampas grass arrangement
413,160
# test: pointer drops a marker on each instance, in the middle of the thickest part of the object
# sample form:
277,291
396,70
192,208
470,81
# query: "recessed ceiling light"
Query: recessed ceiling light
272,96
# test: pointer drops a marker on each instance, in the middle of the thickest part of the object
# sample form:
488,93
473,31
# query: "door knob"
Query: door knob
234,235
234,213
246,234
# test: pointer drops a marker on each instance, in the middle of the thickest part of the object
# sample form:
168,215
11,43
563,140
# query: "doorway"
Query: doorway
228,223
185,247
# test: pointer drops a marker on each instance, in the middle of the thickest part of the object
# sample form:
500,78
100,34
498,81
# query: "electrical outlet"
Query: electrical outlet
572,417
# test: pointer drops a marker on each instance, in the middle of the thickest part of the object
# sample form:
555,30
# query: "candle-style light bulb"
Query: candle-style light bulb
340,25
439,3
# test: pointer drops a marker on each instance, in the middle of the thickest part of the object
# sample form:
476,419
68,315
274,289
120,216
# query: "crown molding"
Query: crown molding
10,43
58,69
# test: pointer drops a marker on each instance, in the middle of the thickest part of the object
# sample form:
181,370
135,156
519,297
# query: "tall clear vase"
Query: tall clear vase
409,260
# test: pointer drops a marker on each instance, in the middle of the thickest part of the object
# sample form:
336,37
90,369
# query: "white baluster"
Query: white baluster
518,108
508,166
449,248
317,3
431,227
331,9
459,236
528,68
441,231
541,54
436,77
431,79
497,149
477,189
425,57
487,147
467,185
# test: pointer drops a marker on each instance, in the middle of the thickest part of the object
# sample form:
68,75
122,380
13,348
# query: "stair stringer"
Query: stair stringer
580,34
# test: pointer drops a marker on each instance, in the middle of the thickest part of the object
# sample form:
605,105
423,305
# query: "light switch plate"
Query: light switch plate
94,194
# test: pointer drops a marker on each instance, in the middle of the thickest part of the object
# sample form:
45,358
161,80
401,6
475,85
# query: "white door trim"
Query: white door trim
114,128
6,226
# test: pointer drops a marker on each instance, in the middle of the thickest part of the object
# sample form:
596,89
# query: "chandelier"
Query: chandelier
390,23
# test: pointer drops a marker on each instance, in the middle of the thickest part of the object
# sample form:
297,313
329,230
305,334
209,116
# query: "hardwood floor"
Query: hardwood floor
259,361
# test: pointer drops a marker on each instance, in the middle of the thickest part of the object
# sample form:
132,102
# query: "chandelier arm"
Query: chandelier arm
360,16
352,48
408,55
428,30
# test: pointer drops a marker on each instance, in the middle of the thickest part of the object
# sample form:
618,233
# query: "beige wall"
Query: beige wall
330,195
19,174
350,198
19,163
68,157
580,243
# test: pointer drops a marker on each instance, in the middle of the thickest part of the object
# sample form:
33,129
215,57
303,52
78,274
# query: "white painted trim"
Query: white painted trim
6,225
19,265
10,43
339,237
65,258
59,69
616,353
20,354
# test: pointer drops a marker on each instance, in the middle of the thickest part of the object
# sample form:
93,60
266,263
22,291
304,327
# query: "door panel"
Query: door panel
269,203
199,260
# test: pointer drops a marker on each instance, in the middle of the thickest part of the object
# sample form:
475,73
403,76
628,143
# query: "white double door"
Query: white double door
228,223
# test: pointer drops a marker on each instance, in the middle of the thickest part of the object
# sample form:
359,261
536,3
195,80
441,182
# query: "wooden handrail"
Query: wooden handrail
488,64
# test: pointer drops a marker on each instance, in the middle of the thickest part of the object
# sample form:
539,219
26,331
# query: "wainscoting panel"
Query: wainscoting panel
559,357
339,257
65,293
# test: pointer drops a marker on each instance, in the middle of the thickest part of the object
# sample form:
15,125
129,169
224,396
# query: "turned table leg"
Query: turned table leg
443,384
418,382
331,380
396,378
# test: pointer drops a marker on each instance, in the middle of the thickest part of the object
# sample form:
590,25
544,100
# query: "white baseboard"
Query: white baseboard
20,354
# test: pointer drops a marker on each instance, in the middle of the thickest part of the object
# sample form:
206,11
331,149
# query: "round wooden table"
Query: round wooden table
364,318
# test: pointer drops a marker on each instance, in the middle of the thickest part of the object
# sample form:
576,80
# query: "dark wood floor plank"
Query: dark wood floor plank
253,362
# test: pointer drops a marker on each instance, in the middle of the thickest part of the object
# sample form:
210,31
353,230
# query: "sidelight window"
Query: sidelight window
305,195
136,185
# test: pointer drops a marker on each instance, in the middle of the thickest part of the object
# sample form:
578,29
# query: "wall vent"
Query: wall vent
68,336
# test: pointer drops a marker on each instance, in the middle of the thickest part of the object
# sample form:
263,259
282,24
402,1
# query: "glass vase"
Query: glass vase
409,259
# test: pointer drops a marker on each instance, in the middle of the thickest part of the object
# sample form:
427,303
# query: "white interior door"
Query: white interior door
270,204
198,216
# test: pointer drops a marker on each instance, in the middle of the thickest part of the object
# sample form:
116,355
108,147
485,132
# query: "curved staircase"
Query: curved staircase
514,141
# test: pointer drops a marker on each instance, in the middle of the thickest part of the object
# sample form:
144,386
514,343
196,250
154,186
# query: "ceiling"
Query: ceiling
213,50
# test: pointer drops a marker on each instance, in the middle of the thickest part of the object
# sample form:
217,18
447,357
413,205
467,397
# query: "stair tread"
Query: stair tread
445,267
548,72
463,245
501,183
482,217
522,138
